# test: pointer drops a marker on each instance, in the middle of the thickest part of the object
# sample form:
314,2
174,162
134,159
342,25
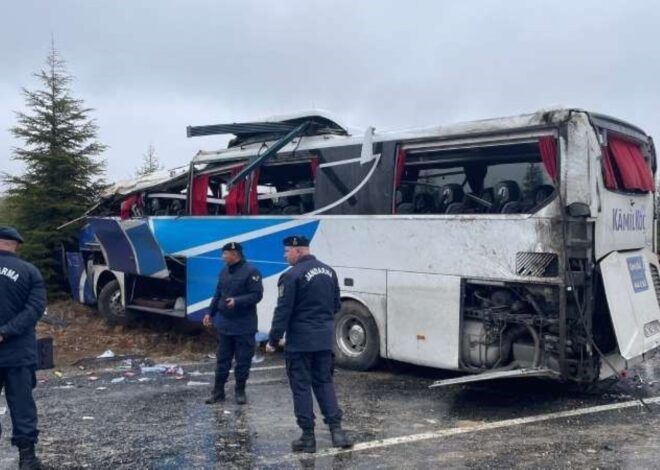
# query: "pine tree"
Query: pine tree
63,171
150,163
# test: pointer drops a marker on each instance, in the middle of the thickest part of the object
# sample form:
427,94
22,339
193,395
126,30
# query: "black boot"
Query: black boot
241,399
26,458
217,395
306,443
339,437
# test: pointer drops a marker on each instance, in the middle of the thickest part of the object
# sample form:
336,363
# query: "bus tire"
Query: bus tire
110,305
356,339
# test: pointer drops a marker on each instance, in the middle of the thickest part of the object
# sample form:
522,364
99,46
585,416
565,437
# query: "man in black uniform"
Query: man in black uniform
22,303
233,310
308,299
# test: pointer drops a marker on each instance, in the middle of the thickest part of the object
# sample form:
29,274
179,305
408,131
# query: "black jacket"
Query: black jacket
242,281
307,302
22,303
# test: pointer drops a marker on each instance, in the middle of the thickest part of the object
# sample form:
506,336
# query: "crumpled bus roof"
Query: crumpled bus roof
145,182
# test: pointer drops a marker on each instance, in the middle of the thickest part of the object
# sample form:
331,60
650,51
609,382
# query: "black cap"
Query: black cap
296,240
233,246
10,233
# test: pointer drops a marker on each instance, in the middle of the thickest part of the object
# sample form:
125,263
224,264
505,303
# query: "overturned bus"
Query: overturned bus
520,246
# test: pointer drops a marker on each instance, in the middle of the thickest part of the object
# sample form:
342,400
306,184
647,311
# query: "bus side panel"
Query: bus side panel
424,311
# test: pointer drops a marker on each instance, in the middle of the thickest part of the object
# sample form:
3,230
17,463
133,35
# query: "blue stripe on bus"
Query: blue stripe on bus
175,235
266,253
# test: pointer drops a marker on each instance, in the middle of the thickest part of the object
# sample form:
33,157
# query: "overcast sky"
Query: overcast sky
151,68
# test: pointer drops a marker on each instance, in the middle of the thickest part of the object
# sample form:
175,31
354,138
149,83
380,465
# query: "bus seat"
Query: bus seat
176,208
542,193
505,191
447,195
405,208
423,203
156,208
291,209
512,207
456,208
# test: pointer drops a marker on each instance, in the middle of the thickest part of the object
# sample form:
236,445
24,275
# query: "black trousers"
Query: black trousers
312,371
18,383
239,347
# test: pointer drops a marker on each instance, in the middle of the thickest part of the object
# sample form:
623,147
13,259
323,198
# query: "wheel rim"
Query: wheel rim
116,308
351,335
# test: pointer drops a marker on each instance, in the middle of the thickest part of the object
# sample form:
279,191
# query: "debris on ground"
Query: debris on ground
107,354
193,383
152,336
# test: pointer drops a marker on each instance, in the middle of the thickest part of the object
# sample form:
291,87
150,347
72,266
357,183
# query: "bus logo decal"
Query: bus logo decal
637,273
629,221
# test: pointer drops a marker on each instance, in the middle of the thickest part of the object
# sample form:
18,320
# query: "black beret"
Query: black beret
232,246
10,233
296,240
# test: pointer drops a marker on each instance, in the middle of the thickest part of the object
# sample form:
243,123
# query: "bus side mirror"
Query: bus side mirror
578,209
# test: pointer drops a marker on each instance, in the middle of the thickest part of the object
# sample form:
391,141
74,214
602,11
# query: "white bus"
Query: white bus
504,247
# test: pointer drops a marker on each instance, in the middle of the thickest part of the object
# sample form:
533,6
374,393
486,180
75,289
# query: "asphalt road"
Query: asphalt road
398,422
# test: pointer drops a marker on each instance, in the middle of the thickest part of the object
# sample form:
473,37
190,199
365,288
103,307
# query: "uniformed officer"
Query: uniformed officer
22,303
233,310
308,299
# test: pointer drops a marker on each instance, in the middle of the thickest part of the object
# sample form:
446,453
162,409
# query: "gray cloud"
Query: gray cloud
151,68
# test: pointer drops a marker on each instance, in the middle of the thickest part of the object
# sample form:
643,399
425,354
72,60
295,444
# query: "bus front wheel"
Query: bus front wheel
357,344
110,305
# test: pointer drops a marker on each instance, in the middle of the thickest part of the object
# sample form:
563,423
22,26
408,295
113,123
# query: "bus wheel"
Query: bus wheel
110,305
357,344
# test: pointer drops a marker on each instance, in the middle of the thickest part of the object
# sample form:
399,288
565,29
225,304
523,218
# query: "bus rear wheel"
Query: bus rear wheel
110,305
357,343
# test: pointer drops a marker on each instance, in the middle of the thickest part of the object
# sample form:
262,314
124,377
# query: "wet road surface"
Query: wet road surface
398,422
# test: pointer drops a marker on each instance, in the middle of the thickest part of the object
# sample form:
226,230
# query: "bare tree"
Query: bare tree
150,162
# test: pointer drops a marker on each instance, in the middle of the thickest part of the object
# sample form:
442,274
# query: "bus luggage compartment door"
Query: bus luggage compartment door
423,318
129,247
630,279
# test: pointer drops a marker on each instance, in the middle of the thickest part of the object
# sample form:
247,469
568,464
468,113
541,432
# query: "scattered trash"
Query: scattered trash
88,418
195,373
59,374
93,378
63,387
101,388
107,354
126,364
192,383
144,379
431,421
227,412
174,370
3,410
117,380
160,369
129,374
211,356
